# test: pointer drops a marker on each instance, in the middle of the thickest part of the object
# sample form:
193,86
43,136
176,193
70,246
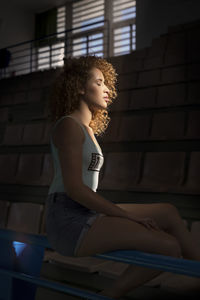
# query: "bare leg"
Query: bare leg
168,219
190,249
131,278
135,276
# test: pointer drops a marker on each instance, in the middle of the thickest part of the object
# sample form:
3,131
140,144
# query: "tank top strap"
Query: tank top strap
77,122
59,120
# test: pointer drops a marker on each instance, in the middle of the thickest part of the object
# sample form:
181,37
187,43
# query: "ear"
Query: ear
82,92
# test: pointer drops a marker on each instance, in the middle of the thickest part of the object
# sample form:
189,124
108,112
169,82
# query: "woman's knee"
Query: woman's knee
172,247
170,213
169,209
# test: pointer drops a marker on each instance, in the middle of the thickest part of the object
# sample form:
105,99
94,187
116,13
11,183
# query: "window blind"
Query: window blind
124,31
85,12
90,44
124,39
52,55
61,21
123,10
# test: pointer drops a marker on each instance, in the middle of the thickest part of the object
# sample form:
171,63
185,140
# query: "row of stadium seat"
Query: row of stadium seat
143,127
133,171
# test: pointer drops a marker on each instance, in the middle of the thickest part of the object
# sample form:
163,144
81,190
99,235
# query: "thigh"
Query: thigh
109,233
162,213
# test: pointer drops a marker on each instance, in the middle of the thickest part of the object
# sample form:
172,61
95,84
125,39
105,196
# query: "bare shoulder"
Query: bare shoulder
68,131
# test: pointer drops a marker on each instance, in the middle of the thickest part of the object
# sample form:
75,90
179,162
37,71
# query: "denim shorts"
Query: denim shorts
67,223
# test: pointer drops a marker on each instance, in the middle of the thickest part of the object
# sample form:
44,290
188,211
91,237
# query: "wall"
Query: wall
16,25
153,19
155,16
152,144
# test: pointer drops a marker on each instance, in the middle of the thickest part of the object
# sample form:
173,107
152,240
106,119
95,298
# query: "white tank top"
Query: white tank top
92,161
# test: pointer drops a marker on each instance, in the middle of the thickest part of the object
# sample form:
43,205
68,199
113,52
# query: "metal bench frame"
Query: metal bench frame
20,276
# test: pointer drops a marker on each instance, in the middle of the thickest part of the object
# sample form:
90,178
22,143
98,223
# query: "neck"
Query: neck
83,114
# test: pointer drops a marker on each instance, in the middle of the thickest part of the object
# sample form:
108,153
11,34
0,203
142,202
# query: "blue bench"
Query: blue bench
20,273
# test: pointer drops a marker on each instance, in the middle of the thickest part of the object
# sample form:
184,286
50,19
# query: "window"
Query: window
123,10
61,20
89,38
86,38
101,27
124,27
121,15
85,12
52,55
44,58
88,45
124,40
57,54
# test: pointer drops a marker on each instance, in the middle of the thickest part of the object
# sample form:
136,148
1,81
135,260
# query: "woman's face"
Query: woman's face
96,92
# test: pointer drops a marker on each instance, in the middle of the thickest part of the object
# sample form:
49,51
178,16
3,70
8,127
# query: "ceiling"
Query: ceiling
36,5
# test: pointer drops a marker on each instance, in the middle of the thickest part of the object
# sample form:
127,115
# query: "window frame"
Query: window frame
107,30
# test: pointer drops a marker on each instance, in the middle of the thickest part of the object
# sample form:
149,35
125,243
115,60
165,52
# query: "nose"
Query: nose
106,89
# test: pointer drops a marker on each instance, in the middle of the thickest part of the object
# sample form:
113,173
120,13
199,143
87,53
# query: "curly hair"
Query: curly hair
65,95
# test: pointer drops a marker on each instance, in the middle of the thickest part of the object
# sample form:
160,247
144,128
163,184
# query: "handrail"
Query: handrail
28,238
53,285
55,34
26,57
151,260
30,273
155,261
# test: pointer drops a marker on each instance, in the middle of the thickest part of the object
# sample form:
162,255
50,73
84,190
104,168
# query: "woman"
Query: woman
80,222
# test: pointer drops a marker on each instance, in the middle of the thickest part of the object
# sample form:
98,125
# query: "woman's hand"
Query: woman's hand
149,223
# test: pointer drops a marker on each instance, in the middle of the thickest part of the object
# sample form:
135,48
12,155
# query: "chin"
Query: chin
96,107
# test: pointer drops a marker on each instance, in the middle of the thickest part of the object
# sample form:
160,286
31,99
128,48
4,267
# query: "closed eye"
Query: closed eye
100,80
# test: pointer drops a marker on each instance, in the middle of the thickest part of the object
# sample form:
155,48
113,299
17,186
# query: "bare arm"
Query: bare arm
69,139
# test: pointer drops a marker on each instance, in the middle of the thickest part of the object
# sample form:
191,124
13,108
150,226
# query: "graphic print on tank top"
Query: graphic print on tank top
96,162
